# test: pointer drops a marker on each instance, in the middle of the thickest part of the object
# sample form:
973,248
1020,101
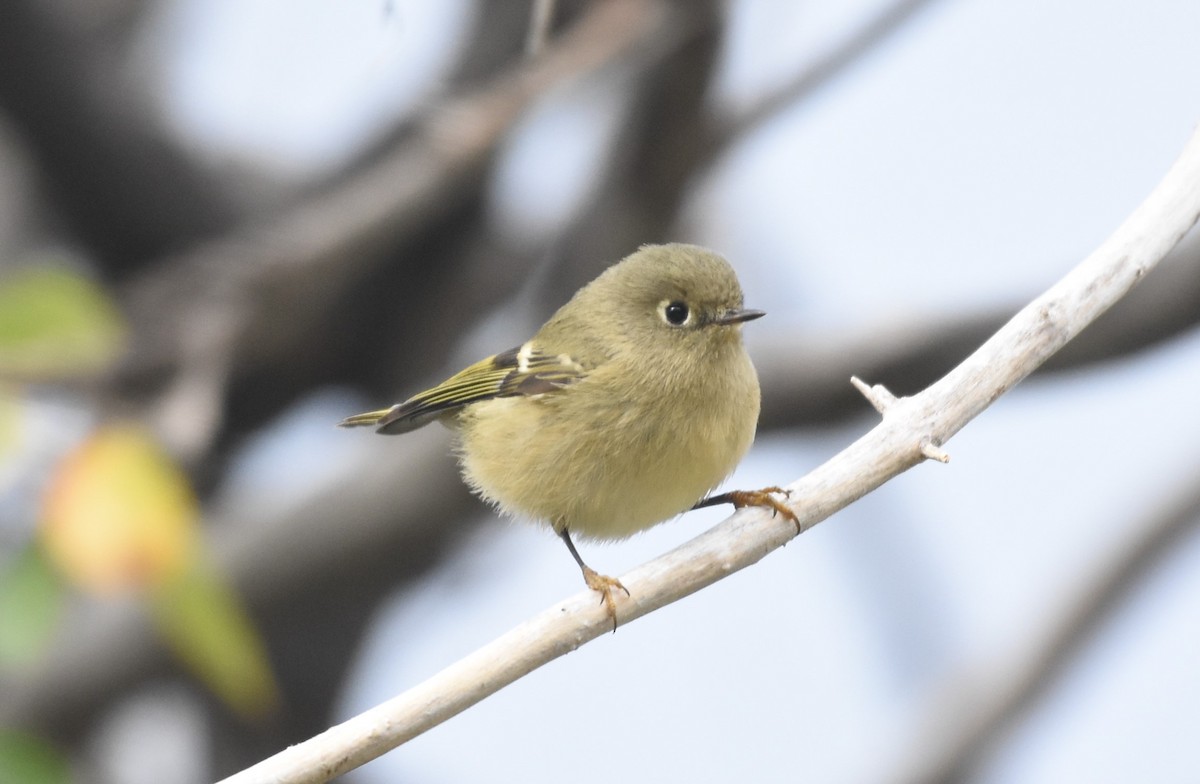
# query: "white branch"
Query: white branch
877,395
911,431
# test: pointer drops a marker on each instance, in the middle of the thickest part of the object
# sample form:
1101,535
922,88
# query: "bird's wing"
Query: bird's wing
520,371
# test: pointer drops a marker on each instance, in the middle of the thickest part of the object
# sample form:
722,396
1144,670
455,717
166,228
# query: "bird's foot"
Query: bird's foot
764,497
605,586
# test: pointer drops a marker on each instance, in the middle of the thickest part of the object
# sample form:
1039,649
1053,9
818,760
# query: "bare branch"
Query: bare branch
539,26
933,451
877,395
832,62
103,160
804,377
1017,349
225,295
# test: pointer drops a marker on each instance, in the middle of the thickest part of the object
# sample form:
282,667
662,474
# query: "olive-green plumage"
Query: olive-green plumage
630,404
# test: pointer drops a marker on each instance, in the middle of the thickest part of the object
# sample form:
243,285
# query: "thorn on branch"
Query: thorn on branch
878,395
934,451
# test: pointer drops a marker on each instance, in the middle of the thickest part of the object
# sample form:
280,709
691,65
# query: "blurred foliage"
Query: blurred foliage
203,621
118,514
120,517
30,600
29,760
8,419
55,324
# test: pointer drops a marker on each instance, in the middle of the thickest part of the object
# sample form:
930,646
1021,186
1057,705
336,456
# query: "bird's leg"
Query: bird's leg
597,582
764,497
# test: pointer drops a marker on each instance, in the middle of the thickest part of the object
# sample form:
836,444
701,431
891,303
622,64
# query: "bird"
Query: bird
625,409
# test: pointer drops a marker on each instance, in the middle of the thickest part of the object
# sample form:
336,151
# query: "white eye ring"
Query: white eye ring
675,312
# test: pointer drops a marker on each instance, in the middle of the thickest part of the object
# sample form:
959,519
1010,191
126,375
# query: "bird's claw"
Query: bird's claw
605,586
765,498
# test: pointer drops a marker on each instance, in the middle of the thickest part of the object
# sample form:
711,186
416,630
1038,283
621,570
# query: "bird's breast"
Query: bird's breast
605,459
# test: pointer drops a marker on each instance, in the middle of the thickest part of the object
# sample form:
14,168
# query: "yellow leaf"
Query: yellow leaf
118,515
204,623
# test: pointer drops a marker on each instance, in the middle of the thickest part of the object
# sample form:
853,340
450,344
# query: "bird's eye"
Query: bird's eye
676,313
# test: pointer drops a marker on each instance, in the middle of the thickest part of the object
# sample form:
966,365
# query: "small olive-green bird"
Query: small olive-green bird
626,408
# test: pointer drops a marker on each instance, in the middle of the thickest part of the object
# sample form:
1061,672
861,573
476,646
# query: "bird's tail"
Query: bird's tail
363,420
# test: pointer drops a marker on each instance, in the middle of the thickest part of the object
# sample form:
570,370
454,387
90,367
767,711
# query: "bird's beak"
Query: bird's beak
738,316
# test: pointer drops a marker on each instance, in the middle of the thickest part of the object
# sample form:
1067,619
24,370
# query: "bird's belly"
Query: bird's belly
620,503
607,483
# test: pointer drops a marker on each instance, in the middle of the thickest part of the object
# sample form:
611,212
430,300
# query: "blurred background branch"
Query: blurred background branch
983,705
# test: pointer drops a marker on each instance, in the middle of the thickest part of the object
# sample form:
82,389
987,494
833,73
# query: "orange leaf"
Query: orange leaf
118,515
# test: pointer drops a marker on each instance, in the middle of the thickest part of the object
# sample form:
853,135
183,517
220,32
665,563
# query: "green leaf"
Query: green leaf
205,625
30,760
55,324
30,600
